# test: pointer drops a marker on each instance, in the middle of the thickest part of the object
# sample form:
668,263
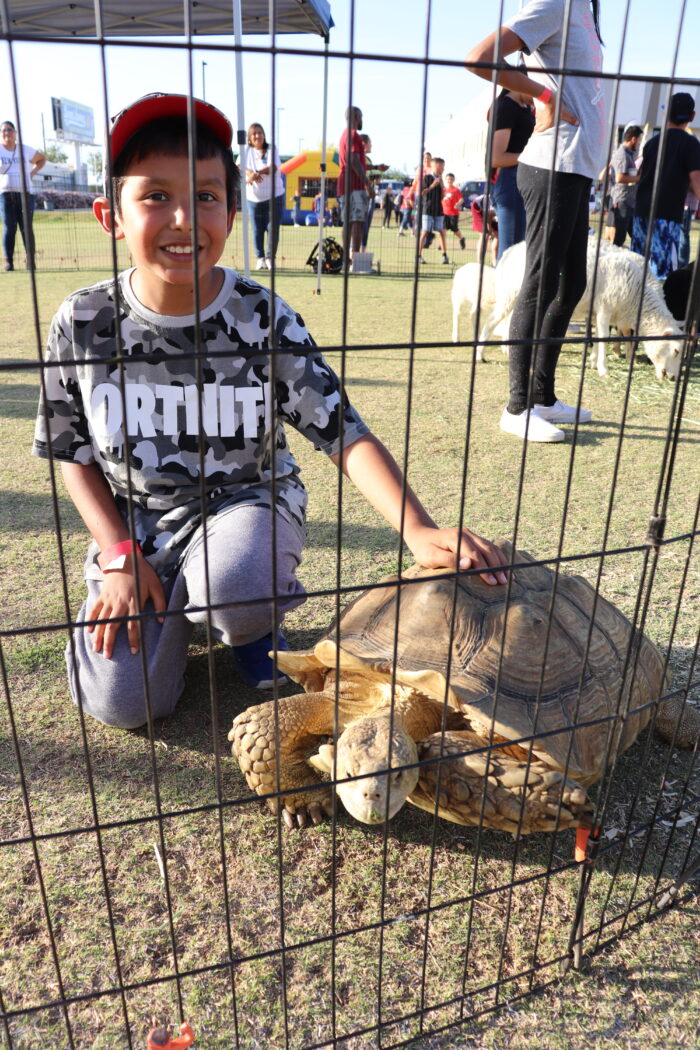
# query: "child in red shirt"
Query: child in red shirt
451,203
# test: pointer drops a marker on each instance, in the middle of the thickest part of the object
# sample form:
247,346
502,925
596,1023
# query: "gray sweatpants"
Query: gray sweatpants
239,546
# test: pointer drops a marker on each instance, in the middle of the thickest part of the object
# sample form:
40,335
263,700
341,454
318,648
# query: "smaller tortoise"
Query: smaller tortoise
511,727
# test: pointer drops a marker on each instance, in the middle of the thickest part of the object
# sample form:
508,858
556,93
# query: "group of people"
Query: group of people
420,198
432,202
631,177
549,133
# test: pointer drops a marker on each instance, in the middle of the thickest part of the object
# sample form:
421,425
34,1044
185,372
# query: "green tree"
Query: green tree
55,154
94,164
394,173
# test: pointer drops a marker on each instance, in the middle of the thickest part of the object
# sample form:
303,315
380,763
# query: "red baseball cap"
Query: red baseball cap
159,106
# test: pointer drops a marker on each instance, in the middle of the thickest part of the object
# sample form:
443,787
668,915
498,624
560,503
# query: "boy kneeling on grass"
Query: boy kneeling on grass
191,404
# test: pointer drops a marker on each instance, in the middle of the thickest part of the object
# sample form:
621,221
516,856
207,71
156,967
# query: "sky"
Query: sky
390,93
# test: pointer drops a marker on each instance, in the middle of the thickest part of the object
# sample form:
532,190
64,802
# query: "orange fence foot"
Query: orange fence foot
160,1038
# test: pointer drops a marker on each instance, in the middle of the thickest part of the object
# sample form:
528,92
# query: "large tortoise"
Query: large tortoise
510,728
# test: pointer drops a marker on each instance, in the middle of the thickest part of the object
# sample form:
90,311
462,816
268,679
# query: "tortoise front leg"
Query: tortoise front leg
678,722
534,798
302,719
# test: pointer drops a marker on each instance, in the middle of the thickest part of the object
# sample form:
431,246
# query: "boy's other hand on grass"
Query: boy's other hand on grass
118,597
437,549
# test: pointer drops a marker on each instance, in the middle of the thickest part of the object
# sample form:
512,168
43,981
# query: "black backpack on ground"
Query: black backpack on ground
331,256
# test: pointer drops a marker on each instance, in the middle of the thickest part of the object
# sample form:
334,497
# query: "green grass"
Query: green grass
639,993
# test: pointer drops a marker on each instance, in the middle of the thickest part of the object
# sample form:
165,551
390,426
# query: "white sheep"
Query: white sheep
618,289
465,293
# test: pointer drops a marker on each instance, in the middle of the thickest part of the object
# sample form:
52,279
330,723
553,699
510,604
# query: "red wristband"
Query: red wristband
116,555
545,97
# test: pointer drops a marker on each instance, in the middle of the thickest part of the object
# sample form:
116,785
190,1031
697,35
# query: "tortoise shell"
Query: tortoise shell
544,659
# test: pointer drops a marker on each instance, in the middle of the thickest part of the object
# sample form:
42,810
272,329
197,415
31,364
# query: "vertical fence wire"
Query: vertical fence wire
476,997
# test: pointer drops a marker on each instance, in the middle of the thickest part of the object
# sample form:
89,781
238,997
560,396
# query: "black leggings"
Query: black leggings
556,256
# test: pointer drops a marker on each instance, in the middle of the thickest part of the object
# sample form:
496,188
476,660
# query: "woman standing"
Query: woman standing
514,122
11,159
554,176
265,197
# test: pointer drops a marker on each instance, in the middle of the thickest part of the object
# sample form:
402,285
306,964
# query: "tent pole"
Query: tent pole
322,209
241,135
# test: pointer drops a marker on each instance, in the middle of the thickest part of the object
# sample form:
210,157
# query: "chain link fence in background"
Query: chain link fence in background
69,239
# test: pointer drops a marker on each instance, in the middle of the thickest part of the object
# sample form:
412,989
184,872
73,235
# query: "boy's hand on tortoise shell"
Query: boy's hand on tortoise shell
439,549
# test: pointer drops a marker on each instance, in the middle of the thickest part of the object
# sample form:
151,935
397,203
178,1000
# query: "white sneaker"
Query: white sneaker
562,413
268,263
260,264
538,429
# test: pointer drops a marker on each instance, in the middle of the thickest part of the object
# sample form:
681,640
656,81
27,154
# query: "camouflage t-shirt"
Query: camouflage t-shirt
88,419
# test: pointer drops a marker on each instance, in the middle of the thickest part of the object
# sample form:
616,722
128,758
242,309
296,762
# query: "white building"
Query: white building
462,140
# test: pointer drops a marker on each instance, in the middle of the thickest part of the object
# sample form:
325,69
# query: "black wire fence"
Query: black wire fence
145,885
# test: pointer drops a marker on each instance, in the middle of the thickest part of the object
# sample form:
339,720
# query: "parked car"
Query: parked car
471,189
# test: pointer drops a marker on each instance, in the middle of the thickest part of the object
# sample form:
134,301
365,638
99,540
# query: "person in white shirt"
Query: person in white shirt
555,171
11,213
264,192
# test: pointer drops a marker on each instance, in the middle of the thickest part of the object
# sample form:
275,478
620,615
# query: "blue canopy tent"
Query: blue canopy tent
58,20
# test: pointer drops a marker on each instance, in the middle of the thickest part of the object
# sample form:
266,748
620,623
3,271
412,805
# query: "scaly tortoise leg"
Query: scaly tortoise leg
677,721
542,800
302,720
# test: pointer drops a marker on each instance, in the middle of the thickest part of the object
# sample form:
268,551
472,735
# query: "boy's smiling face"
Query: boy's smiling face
155,219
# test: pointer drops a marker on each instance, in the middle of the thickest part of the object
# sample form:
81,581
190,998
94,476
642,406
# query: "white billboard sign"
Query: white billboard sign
73,121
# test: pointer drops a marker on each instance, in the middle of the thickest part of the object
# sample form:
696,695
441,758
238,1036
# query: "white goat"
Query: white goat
618,290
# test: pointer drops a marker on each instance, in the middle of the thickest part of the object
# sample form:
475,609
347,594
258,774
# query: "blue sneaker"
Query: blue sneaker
254,665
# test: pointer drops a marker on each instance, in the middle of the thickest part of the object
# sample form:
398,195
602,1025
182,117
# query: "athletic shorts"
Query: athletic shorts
357,206
433,223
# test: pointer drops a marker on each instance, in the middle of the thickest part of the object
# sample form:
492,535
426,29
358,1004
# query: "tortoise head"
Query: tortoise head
362,751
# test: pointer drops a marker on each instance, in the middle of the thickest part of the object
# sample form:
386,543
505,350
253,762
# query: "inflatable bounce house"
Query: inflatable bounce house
302,175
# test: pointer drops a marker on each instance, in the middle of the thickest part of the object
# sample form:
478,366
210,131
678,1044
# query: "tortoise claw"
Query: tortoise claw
288,818
316,812
299,816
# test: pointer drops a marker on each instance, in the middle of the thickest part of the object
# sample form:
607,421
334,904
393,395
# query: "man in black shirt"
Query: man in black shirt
681,167
432,220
